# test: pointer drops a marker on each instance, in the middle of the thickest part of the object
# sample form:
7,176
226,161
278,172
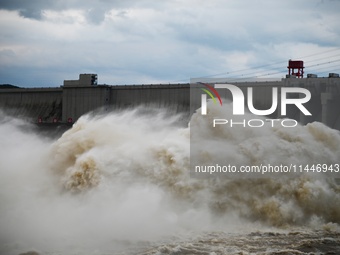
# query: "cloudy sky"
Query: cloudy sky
43,42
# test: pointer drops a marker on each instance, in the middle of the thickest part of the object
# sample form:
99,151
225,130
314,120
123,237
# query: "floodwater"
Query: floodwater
120,184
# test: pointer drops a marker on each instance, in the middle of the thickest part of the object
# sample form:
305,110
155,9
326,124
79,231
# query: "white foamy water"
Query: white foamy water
120,184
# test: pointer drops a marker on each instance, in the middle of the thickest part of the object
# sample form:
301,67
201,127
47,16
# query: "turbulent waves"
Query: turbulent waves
121,182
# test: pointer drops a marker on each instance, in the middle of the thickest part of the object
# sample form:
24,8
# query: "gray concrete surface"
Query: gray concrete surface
44,103
71,102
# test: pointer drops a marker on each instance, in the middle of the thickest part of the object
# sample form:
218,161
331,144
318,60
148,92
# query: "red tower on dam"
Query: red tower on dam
295,67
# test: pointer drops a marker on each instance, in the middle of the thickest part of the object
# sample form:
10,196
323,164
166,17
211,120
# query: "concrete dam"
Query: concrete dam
77,97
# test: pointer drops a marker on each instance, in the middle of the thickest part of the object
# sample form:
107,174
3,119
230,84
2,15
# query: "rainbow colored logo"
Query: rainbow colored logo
211,94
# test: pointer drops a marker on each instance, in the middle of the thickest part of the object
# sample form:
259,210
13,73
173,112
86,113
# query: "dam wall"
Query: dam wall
174,97
80,100
330,101
67,103
32,104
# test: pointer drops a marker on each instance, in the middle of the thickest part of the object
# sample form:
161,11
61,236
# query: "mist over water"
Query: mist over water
121,181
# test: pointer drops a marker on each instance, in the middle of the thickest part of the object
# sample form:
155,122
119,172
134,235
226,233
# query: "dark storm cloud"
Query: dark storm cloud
29,9
95,10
